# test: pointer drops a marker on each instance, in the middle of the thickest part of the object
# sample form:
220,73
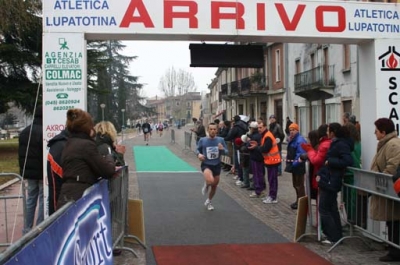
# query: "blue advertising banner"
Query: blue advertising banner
82,235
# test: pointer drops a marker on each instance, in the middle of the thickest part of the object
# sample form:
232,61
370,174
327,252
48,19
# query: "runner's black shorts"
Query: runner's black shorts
216,170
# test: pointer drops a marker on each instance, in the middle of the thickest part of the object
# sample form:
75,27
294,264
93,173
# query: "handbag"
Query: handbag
342,214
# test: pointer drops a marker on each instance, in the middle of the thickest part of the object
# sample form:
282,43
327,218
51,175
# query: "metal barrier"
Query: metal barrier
7,221
118,189
357,195
32,234
188,141
172,136
119,195
228,159
357,192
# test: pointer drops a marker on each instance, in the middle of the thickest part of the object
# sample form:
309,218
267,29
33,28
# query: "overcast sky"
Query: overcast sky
155,57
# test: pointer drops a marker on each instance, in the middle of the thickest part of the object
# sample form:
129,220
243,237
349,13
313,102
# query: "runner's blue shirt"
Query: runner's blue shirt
209,148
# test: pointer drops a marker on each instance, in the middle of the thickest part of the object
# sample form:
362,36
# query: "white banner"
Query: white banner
220,19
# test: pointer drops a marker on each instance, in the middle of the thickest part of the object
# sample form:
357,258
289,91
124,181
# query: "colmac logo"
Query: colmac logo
390,60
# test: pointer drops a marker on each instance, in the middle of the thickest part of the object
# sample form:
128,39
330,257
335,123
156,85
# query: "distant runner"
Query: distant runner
209,151
146,128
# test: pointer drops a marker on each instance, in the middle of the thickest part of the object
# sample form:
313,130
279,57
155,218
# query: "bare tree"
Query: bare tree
176,85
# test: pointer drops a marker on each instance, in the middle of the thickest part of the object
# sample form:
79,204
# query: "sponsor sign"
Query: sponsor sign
388,80
224,17
82,235
64,82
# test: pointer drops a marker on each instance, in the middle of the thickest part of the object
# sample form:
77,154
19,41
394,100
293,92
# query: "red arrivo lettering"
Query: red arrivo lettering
142,18
290,25
261,16
216,15
319,19
169,13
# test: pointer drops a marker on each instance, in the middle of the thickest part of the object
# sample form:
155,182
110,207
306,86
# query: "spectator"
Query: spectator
106,141
269,149
293,163
199,130
277,131
239,128
54,170
353,120
82,163
386,160
288,122
329,180
350,194
256,163
244,162
316,154
30,158
223,129
346,118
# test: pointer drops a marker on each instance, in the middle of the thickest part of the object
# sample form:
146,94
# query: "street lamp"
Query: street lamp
102,106
123,123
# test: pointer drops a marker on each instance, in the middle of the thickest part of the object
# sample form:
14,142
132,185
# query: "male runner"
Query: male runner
146,128
209,150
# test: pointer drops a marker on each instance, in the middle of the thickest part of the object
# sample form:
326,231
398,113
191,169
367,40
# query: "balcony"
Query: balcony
224,92
253,86
235,88
315,84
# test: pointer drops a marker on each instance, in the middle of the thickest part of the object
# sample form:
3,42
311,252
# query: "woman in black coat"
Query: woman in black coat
81,162
329,179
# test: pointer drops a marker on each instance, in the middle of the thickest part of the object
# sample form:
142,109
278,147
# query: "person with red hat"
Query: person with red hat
294,164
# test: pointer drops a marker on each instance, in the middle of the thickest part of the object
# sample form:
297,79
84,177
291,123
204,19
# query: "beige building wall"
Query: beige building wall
196,108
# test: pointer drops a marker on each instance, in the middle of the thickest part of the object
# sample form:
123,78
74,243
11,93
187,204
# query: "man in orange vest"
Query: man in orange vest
272,159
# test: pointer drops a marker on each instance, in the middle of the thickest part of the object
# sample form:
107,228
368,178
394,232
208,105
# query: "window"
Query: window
297,73
297,65
241,109
332,113
303,120
277,66
346,57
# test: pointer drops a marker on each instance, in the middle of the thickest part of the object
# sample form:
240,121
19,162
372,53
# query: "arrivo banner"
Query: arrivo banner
224,17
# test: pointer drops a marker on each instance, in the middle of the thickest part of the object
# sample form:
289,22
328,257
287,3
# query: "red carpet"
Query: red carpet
244,254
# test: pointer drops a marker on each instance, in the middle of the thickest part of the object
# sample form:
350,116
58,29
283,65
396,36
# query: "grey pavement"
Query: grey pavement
279,217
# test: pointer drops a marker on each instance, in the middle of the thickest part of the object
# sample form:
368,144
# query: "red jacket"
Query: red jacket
318,157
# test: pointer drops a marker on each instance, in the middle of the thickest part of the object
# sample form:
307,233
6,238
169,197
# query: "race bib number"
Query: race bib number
212,152
145,130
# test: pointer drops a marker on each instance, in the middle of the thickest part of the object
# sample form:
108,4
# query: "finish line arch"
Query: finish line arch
375,27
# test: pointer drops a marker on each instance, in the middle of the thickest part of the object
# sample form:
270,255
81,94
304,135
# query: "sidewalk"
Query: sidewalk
278,216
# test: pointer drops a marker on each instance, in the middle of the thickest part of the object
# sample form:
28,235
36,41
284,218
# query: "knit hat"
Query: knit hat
244,138
253,124
238,141
294,126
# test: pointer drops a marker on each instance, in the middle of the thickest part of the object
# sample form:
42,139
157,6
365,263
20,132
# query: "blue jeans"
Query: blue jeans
34,192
